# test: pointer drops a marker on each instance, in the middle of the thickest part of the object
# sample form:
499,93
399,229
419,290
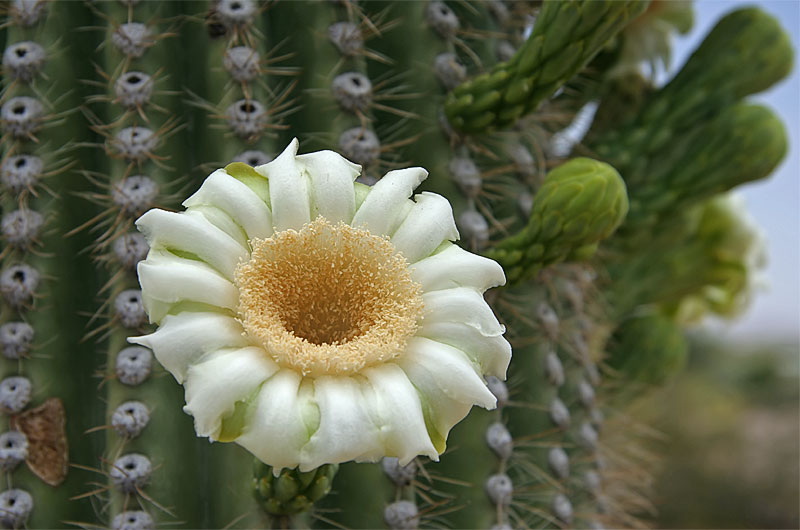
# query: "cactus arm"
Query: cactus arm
745,53
566,36
743,143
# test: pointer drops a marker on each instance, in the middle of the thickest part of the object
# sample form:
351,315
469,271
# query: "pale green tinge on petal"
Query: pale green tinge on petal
428,223
167,279
399,414
214,385
185,338
447,383
455,267
331,193
461,304
288,190
380,211
277,426
346,428
237,200
254,180
192,234
361,191
491,352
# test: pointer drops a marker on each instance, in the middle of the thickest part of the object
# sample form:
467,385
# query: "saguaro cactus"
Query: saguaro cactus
315,314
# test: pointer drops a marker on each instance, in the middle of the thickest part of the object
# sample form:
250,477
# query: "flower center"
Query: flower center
328,299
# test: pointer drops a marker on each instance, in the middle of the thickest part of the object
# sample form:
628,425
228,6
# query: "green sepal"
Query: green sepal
291,491
286,487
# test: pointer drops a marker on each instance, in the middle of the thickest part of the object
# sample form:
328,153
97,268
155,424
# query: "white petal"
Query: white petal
193,234
428,224
346,429
379,213
221,220
399,414
454,373
173,279
183,339
447,384
278,426
332,194
491,352
288,190
461,304
214,385
237,200
455,267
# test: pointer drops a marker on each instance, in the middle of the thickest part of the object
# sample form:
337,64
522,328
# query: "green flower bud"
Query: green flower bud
580,203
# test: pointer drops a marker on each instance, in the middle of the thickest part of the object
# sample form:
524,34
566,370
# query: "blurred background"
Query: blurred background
730,423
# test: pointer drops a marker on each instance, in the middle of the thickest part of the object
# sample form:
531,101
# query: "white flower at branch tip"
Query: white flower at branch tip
313,319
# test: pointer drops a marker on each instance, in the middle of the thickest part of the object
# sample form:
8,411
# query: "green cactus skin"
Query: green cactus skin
158,496
579,204
648,349
577,293
558,331
59,365
566,36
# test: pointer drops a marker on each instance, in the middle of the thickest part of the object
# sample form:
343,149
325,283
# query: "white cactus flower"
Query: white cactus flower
315,320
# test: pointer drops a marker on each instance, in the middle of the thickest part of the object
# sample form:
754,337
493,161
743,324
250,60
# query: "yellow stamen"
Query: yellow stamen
328,299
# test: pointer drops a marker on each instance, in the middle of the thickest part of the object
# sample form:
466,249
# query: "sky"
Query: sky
775,203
